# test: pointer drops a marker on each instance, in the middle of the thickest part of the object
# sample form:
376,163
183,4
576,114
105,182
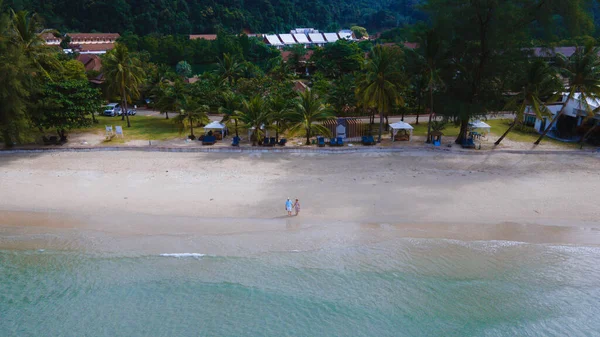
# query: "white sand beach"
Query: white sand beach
533,197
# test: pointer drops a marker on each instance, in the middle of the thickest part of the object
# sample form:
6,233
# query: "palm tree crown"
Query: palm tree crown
309,112
380,86
123,74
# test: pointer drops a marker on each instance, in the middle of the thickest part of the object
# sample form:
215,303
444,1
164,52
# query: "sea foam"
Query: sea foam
181,255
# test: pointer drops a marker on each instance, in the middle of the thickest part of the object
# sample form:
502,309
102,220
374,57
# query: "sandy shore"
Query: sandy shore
534,198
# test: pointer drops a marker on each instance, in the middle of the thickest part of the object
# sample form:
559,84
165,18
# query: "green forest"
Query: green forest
472,59
208,16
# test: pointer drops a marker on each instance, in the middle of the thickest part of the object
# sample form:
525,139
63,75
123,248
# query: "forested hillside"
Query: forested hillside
207,16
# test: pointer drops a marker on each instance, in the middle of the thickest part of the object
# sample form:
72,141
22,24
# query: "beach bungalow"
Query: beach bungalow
566,127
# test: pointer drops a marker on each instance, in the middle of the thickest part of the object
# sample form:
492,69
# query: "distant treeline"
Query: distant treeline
144,17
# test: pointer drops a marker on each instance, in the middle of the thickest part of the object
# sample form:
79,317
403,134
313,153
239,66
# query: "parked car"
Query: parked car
130,112
112,109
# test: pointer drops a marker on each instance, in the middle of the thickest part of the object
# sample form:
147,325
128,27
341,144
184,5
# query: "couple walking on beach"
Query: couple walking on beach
289,206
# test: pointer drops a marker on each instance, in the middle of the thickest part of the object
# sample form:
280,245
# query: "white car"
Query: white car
112,109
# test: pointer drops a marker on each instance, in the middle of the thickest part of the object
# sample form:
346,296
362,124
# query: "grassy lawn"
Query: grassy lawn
451,130
142,127
499,126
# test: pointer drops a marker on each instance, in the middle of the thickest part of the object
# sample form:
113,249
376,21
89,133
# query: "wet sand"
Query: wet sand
234,203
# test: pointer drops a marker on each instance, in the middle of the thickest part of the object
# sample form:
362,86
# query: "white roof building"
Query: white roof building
331,37
301,38
273,40
317,38
287,39
345,34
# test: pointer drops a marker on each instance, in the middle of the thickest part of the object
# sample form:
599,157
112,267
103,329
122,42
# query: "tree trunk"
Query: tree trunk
7,138
236,128
587,134
307,136
124,109
166,115
94,118
430,114
277,132
402,117
462,135
387,123
418,109
560,113
380,126
506,132
191,126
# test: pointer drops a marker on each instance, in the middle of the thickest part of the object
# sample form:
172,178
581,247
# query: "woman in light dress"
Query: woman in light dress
297,207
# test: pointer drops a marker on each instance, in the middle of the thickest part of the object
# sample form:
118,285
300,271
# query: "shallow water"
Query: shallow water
400,287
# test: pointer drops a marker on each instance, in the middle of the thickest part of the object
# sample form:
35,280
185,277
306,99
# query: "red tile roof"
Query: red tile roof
287,54
93,47
209,37
90,61
94,36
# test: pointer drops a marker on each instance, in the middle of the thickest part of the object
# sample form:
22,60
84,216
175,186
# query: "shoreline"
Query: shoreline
229,204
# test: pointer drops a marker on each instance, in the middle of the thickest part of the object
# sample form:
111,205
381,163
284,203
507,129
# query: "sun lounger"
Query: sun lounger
468,143
340,141
332,142
368,140
209,140
320,141
282,142
236,141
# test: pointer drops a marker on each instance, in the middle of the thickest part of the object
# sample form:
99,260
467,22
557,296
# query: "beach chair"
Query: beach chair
236,141
209,140
468,143
266,142
272,141
320,141
340,141
332,142
282,142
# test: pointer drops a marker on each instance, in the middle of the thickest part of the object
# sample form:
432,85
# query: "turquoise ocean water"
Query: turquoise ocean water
402,287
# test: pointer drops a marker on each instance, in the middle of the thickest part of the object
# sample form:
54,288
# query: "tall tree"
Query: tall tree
538,82
254,114
309,113
380,86
230,104
281,114
124,75
582,73
192,113
230,69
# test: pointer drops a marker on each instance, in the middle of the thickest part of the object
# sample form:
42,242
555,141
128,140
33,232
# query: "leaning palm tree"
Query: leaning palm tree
582,73
26,32
123,74
309,112
229,68
281,114
379,87
538,81
254,114
191,113
230,104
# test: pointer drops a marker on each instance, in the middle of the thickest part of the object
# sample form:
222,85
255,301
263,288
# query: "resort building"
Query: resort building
573,118
86,43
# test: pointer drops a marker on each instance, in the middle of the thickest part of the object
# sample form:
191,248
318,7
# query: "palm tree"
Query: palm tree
582,73
281,114
191,113
229,68
26,32
540,80
123,74
230,104
380,85
309,112
254,114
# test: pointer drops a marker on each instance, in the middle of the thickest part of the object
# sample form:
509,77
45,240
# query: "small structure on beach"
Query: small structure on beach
218,129
479,128
401,131
349,129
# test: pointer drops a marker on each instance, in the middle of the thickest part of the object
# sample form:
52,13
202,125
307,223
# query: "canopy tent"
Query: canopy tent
395,127
480,127
219,129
